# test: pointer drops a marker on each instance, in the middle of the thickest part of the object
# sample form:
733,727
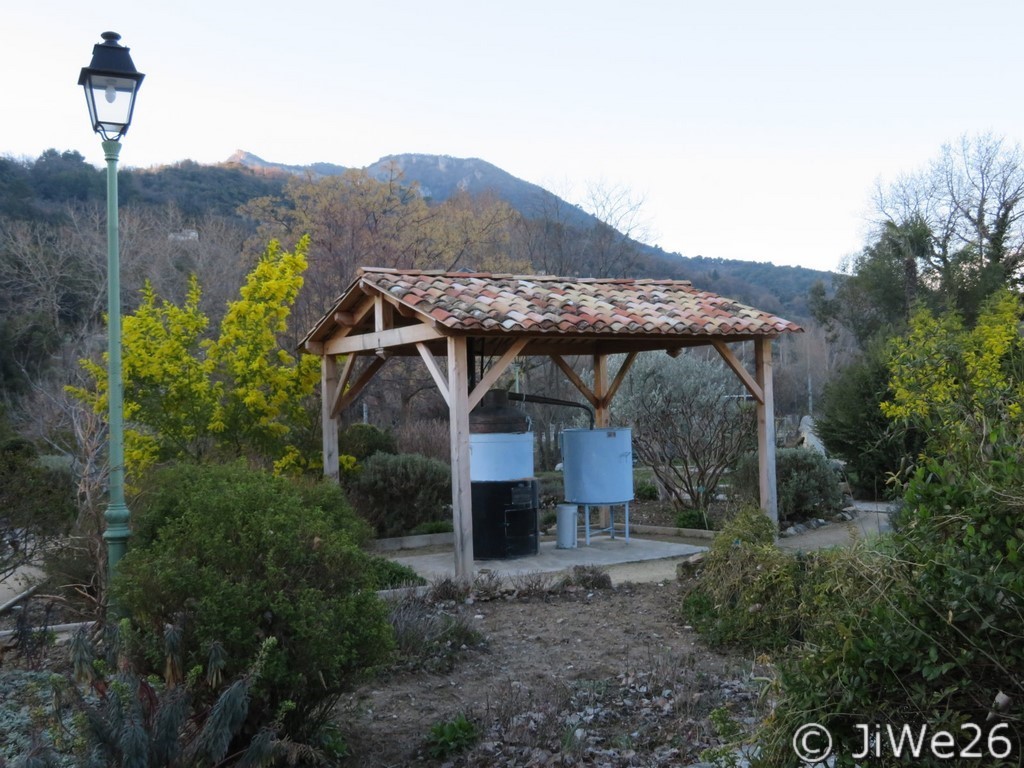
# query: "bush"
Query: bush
37,506
128,720
396,493
364,440
646,491
427,437
806,484
695,519
928,627
450,737
854,429
387,574
747,593
237,556
433,526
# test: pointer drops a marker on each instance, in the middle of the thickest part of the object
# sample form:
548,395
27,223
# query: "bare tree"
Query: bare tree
690,423
971,201
611,244
71,430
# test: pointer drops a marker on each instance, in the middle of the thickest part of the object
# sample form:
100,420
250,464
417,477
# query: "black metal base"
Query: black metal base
505,523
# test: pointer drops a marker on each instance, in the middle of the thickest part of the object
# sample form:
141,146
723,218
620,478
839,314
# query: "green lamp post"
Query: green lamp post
111,82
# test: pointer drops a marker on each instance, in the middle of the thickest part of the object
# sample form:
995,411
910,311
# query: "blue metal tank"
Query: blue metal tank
597,465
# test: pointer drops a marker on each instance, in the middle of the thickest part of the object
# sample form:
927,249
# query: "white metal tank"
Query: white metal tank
500,440
500,456
597,465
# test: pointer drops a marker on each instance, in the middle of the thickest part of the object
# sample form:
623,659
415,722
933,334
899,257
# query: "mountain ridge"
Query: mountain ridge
439,177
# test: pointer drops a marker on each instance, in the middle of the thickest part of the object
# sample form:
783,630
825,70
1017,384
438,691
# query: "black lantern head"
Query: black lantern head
111,82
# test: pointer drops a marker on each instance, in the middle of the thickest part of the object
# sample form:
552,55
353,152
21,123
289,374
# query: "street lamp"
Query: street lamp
111,82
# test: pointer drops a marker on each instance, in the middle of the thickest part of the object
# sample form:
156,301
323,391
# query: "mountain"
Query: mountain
255,163
41,189
762,284
439,177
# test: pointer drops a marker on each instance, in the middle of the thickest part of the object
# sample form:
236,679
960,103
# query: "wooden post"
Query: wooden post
458,419
602,416
328,422
766,429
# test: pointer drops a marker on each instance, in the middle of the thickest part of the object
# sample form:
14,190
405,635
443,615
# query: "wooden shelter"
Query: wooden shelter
451,315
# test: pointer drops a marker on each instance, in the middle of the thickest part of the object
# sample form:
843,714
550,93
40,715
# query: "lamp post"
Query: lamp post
111,82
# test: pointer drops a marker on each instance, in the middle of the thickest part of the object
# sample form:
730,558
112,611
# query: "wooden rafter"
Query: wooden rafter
374,340
341,384
435,371
494,372
360,383
620,376
740,370
576,380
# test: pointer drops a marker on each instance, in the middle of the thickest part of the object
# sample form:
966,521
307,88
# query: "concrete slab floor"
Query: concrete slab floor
603,551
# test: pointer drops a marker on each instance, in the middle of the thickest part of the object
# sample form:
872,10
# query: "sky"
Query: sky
742,130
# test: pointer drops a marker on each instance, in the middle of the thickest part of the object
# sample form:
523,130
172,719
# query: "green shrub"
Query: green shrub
364,440
433,526
236,556
37,506
692,518
645,491
927,627
395,493
806,484
747,593
450,737
129,720
387,574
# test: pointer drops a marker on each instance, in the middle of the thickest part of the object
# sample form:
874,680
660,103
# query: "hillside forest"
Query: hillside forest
945,237
213,222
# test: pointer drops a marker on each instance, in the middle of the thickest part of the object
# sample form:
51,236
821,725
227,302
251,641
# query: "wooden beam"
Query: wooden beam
494,372
755,389
404,310
349,320
342,383
435,371
766,429
376,363
620,376
366,342
458,413
602,417
575,379
382,314
328,420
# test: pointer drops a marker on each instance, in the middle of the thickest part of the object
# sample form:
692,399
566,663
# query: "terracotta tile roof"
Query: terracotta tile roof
492,303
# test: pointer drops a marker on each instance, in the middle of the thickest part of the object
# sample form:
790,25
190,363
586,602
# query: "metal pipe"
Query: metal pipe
542,400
